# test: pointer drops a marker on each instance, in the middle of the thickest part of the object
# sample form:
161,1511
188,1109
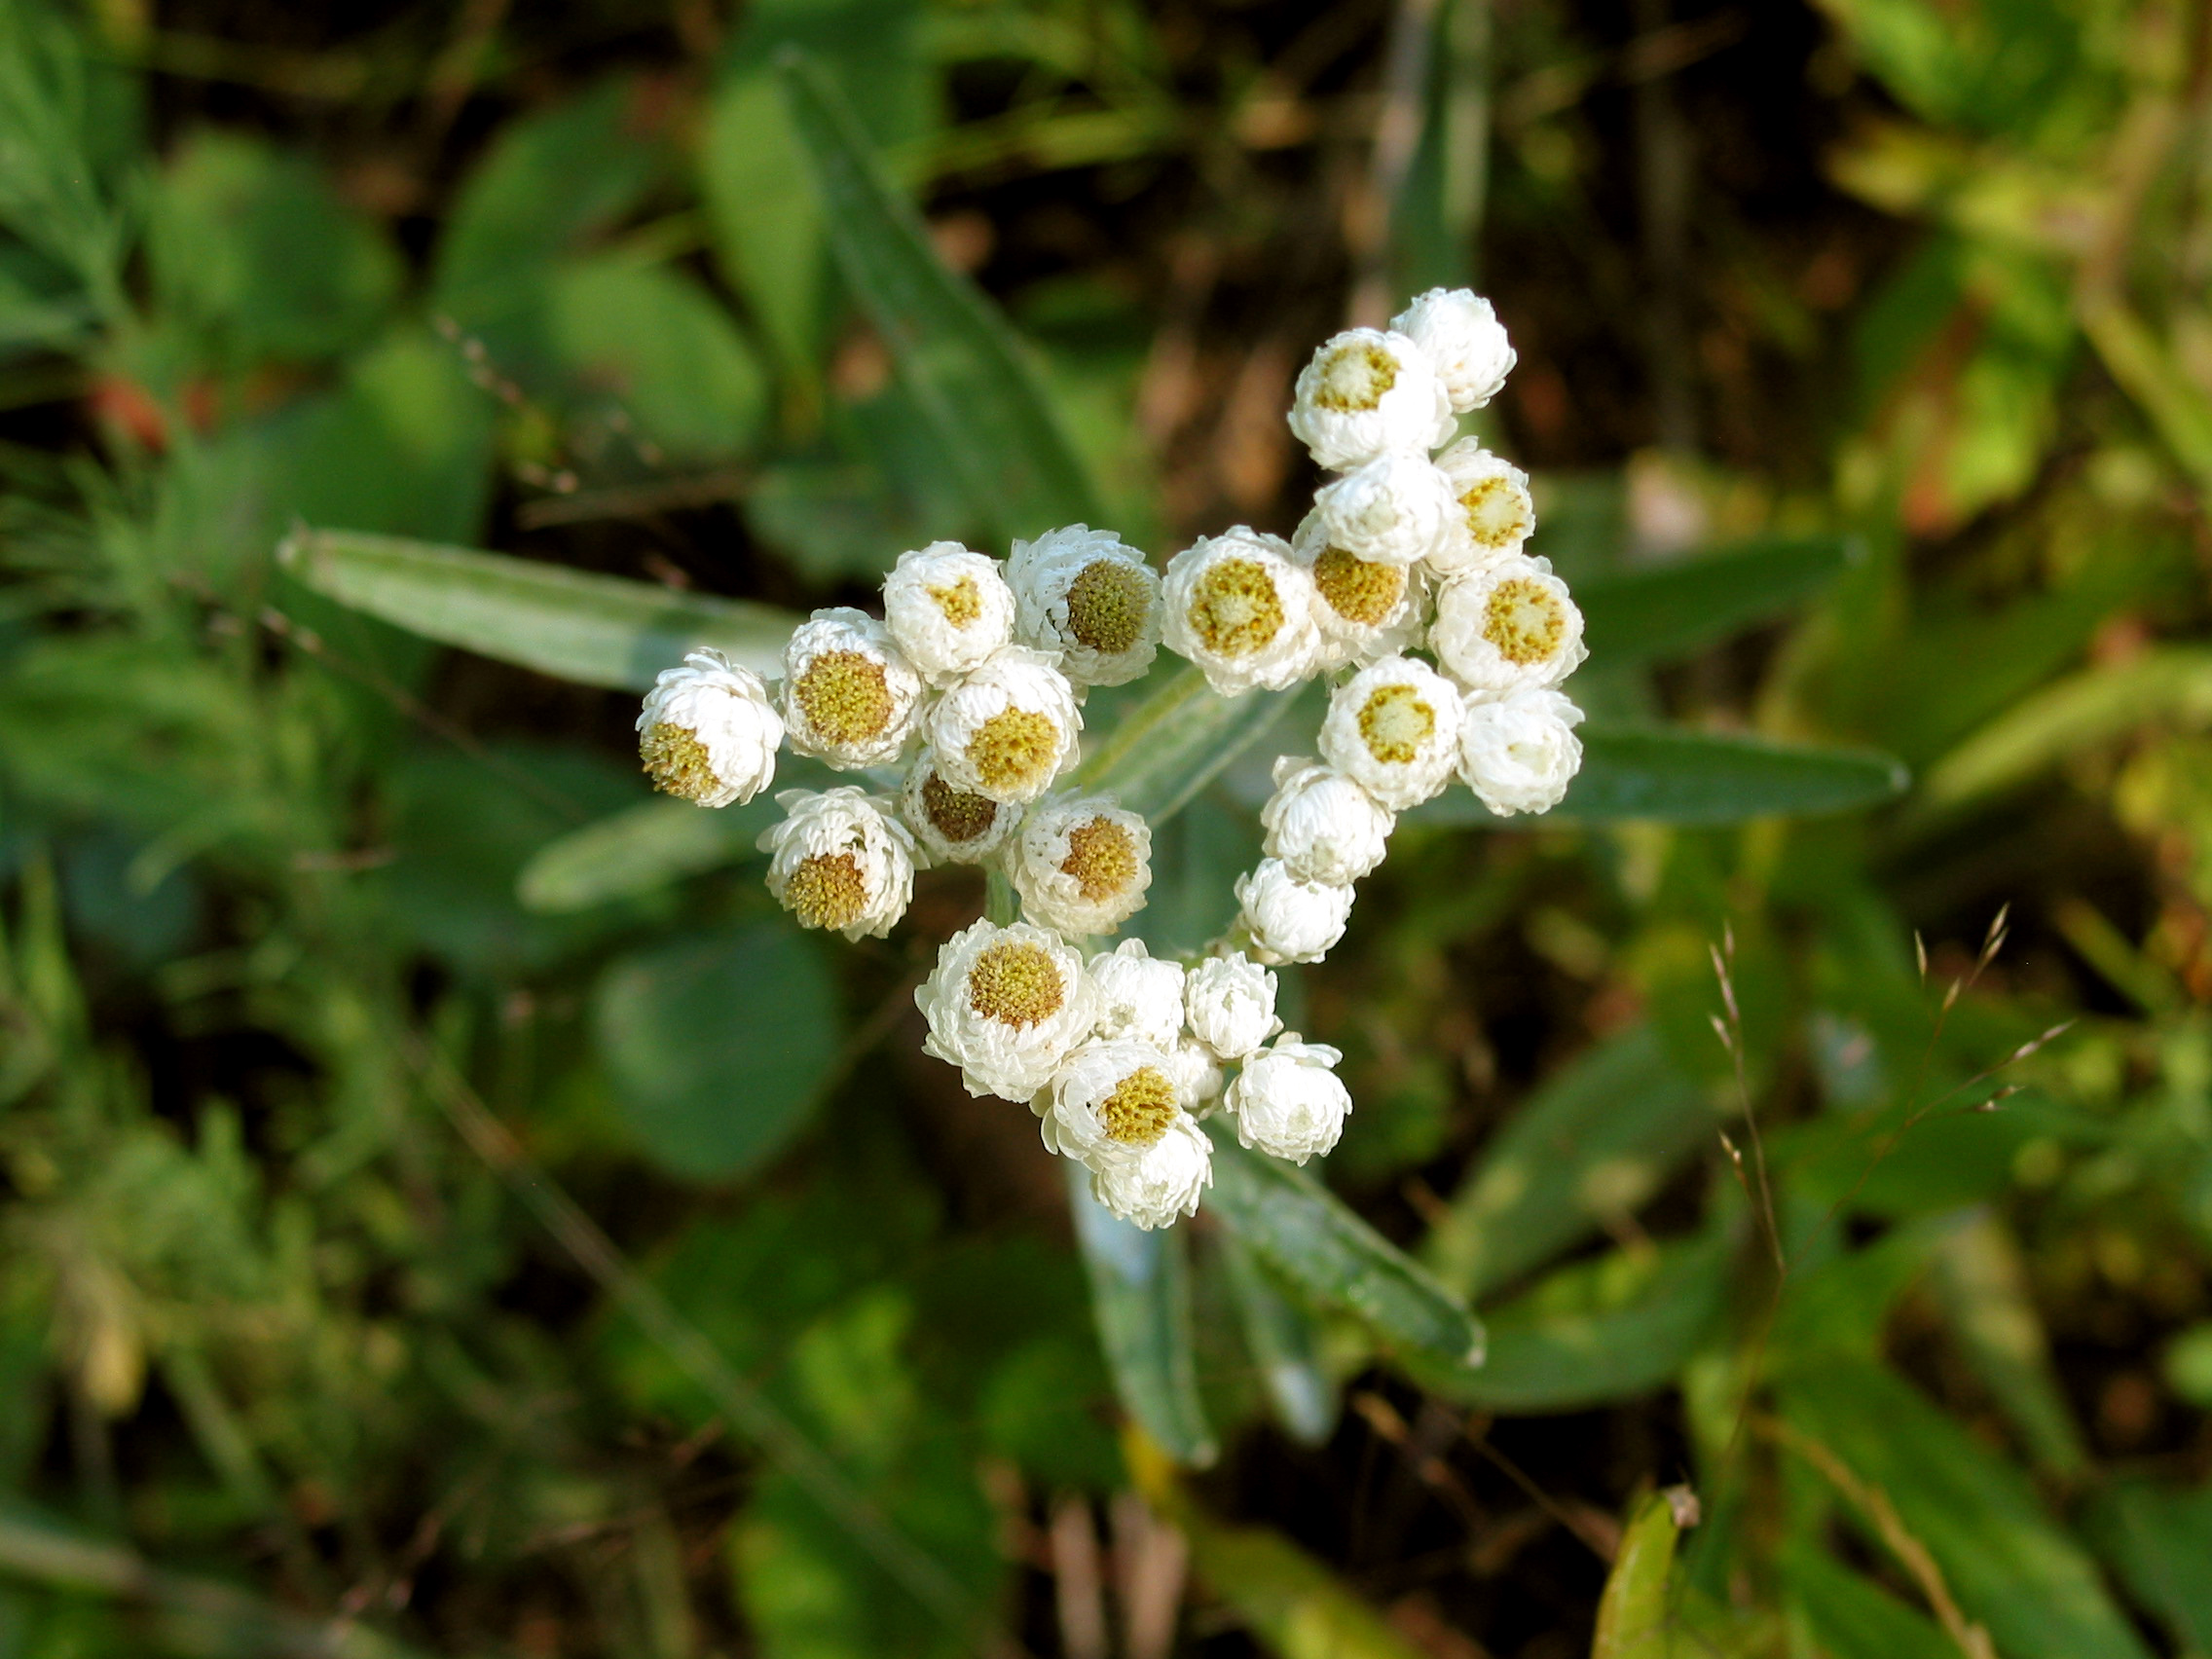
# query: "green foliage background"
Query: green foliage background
444,1209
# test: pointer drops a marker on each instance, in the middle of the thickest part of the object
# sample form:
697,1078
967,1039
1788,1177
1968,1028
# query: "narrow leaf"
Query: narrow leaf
1140,1295
1654,614
1169,745
956,356
572,624
1303,1231
2159,1538
1981,1284
1593,1144
1854,1617
648,846
1633,1613
1283,1345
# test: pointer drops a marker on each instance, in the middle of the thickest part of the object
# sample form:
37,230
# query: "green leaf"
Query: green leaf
1658,613
1283,1345
1981,1284
1599,1332
251,246
1291,1603
636,850
1161,751
2159,1538
1854,1617
1306,1233
1594,1143
593,629
1635,1617
719,1047
2007,1563
550,182
958,359
1140,1295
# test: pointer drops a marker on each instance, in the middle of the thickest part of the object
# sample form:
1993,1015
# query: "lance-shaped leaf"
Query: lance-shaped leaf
572,624
1656,612
1162,751
1140,1295
1635,1614
636,850
2159,1538
1283,1345
955,355
1309,1235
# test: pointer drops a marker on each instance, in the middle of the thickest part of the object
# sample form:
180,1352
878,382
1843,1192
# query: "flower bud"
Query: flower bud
1239,608
1508,625
1366,393
947,608
1323,826
1081,864
1229,1002
1461,333
1391,510
1139,995
1291,920
1164,1183
1519,752
1289,1102
1393,728
1008,729
1085,594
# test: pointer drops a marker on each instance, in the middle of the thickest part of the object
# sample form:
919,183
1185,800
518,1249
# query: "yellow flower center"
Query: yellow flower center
1141,1107
827,891
1395,724
955,813
844,697
1015,751
1234,609
1015,983
1102,856
1523,622
1353,378
959,600
1107,604
676,761
1497,512
1359,590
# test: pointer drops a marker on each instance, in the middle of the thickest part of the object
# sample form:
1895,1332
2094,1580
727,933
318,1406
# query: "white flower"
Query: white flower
1139,995
1007,730
1289,1102
947,608
1324,826
953,825
1239,608
1107,1103
1391,510
1197,1074
1231,1002
1163,1183
1463,338
1393,728
1365,609
850,696
1006,1006
1366,393
839,861
1519,752
1496,512
1291,920
1081,864
708,731
1508,625
1085,594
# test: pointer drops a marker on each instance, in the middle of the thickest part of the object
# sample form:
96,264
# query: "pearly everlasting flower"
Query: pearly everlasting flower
1289,1102
839,861
708,731
1496,512
1164,1183
1230,1004
1393,728
1391,510
947,608
1006,1006
953,825
1291,920
1508,625
1091,597
1007,730
1519,752
1462,334
1365,394
1107,1103
850,696
1364,607
1139,995
1081,864
1324,826
1196,1073
1243,611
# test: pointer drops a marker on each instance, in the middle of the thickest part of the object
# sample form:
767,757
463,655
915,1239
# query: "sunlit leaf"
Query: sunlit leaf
572,624
1653,613
1140,1295
1312,1237
1634,1613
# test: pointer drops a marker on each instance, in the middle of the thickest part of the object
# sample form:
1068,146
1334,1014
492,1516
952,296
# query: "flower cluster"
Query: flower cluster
962,708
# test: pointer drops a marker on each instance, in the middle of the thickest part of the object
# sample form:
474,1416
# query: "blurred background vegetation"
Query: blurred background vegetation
444,1210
